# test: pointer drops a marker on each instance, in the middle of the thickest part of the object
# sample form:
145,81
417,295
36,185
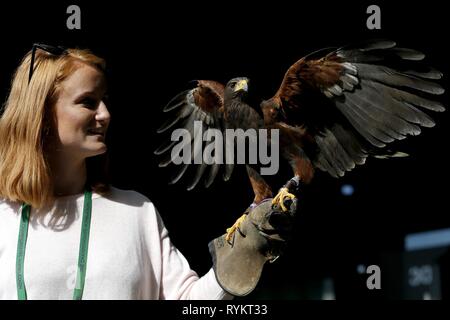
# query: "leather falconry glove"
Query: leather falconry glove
260,237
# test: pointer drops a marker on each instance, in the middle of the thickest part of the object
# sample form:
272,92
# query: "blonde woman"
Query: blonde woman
65,232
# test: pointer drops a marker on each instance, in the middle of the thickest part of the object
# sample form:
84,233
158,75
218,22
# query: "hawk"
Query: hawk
334,108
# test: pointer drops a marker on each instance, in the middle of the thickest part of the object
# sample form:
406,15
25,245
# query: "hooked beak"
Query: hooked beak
242,85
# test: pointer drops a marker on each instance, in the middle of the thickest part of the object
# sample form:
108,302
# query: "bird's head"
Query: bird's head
237,87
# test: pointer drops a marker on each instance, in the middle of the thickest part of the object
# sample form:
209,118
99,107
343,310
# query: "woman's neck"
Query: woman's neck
69,176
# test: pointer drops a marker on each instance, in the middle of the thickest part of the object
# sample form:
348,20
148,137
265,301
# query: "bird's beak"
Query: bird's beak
241,85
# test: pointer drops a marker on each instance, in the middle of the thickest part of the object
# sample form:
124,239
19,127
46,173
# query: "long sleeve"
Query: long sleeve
179,281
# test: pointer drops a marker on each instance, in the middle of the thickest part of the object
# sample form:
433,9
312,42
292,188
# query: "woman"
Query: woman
49,128
53,176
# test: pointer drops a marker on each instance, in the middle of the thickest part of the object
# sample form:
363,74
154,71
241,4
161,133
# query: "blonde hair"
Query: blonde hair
28,118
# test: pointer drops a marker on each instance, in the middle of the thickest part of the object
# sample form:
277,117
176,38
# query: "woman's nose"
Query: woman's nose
102,113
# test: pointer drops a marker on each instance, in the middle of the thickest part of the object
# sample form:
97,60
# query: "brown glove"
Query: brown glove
260,237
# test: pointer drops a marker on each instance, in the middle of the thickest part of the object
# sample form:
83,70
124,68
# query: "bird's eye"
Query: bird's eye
233,84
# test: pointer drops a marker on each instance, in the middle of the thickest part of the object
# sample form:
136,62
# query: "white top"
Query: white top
130,253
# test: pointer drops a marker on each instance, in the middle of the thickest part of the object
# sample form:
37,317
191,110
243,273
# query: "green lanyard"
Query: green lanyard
82,256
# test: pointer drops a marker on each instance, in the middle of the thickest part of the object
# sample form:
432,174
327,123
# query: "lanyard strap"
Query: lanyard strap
21,245
84,246
82,256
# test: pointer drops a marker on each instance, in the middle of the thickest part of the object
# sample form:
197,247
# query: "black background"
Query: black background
154,50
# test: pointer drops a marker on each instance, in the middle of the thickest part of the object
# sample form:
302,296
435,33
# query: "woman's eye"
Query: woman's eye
89,102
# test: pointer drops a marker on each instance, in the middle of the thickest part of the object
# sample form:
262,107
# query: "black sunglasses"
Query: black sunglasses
48,48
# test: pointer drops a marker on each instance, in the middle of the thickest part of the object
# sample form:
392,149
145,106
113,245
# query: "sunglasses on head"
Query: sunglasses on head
48,48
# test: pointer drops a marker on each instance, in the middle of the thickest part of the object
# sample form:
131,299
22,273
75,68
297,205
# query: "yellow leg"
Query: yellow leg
279,198
234,227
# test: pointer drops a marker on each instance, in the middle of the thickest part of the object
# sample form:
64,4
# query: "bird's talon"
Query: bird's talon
234,227
279,198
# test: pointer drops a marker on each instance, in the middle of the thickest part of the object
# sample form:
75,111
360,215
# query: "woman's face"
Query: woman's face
81,114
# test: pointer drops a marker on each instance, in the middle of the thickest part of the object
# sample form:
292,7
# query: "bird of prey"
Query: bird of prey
334,108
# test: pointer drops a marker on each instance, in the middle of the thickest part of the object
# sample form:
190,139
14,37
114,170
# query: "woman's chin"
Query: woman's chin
98,150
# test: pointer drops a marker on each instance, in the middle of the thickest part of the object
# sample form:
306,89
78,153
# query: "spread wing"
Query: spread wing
195,111
353,101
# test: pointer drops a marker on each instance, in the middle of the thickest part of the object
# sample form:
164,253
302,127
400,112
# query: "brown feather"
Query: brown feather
209,95
260,187
293,142
306,74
